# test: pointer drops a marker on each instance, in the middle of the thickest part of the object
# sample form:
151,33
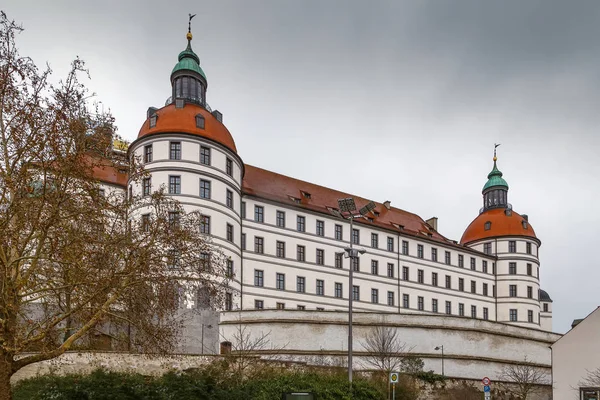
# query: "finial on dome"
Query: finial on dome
189,32
495,146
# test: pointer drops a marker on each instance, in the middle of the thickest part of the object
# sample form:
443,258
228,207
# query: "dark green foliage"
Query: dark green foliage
201,384
429,377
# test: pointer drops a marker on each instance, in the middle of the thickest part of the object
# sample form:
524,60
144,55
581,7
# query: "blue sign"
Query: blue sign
486,388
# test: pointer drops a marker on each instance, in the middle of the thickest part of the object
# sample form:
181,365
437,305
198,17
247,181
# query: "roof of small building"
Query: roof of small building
544,296
502,223
183,120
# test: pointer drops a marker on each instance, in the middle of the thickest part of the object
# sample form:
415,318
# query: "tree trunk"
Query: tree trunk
5,374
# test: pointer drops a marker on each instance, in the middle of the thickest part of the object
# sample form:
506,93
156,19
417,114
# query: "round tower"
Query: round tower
185,147
500,231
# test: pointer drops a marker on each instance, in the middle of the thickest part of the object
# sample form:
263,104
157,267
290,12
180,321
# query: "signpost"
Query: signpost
486,388
394,377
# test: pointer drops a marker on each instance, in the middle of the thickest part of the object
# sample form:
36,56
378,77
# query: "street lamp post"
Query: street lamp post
202,335
441,348
348,206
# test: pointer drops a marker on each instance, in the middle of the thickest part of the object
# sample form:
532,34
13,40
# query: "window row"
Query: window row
175,154
448,282
205,191
513,270
205,224
514,316
512,247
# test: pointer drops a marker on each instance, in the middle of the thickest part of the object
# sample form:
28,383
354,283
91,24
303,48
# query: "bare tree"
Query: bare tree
592,379
76,256
526,379
384,350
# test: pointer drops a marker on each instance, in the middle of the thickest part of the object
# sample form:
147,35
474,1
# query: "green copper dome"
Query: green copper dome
188,61
495,179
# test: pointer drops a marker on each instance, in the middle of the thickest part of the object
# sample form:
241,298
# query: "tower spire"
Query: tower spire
495,147
189,34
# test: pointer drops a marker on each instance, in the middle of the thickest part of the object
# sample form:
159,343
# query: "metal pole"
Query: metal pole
202,341
351,291
443,361
393,391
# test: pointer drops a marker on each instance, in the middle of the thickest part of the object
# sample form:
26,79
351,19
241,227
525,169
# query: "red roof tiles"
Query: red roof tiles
500,225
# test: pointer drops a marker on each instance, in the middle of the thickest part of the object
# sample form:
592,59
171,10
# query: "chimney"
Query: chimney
217,114
525,217
387,204
432,222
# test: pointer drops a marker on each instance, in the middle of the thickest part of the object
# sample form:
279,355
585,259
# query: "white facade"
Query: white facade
573,356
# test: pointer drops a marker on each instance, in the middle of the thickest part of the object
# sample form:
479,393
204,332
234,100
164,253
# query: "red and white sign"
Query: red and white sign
486,381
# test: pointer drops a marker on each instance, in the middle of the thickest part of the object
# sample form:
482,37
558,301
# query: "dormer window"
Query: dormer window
199,121
305,194
295,199
376,213
524,224
487,226
153,119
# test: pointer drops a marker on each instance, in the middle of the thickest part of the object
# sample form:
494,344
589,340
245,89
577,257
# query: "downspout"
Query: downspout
496,277
398,275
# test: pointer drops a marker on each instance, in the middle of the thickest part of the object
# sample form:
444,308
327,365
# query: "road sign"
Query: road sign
394,376
487,396
486,388
486,381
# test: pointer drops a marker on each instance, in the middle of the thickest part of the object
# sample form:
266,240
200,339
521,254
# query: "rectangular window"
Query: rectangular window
434,279
447,258
339,260
405,273
405,301
320,256
529,269
280,306
461,309
487,248
390,243
280,281
204,189
473,287
420,251
390,299
259,245
228,301
146,186
243,241
229,198
204,155
259,278
148,153
448,308
512,290
485,289
461,261
484,267
473,264
259,304
512,246
280,249
420,303
434,305
529,292
375,296
390,270
356,264
174,219
301,307
229,166
300,284
175,151
259,214
338,290
174,184
513,315
338,232
528,245
461,284
320,228
301,253
300,223
374,267
320,287
355,236
243,209
486,314
545,307
473,311
433,254
355,293
512,268
448,282
494,290
405,247
280,219
145,222
420,276
529,315
229,230
374,240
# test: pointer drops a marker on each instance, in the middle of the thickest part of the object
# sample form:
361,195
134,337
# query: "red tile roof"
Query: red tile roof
501,225
283,189
105,171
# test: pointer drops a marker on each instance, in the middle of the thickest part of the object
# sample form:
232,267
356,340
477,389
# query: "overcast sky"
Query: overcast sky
390,100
